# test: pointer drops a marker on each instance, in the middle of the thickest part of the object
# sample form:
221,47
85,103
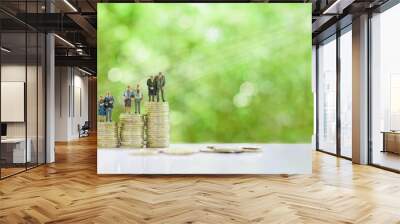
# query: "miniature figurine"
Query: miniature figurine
151,88
155,91
109,105
160,83
138,98
102,109
128,95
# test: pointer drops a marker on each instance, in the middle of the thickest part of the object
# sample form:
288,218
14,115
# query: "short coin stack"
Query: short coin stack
107,135
157,124
132,130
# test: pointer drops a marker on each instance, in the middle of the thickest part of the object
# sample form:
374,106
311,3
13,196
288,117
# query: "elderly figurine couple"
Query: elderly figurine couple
106,105
130,94
156,86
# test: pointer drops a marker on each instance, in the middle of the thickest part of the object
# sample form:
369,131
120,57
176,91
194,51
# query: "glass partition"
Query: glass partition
327,95
34,57
14,155
22,77
32,96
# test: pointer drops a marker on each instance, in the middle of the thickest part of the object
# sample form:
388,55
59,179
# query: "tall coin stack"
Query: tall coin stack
157,124
132,130
107,135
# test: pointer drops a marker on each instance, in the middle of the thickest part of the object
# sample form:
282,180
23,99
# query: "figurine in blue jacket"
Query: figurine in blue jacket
102,109
109,105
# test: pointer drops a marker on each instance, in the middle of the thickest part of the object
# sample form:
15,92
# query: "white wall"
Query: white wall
71,94
34,125
16,73
61,103
11,73
80,93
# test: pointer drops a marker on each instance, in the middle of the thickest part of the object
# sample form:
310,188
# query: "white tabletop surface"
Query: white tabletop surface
273,159
13,140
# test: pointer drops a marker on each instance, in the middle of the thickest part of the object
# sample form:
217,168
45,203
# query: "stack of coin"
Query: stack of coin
107,135
157,124
132,130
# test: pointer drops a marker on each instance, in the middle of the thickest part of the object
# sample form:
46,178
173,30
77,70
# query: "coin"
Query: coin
157,123
107,135
181,151
145,152
132,130
228,149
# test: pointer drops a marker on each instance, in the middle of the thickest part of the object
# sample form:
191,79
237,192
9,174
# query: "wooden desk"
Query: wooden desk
13,150
391,141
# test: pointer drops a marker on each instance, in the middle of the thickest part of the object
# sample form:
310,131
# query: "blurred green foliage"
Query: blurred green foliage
235,72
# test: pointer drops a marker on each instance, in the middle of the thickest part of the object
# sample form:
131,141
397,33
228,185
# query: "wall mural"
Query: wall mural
234,72
201,73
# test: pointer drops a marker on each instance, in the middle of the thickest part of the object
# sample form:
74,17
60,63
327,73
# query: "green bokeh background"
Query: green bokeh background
235,72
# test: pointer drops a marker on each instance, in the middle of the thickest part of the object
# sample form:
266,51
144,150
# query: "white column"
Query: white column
50,94
360,90
314,91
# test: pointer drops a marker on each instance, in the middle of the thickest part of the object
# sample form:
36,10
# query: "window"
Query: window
385,89
346,92
327,95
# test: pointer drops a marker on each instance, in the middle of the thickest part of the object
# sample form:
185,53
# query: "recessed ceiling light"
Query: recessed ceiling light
65,41
337,7
70,5
5,50
84,71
